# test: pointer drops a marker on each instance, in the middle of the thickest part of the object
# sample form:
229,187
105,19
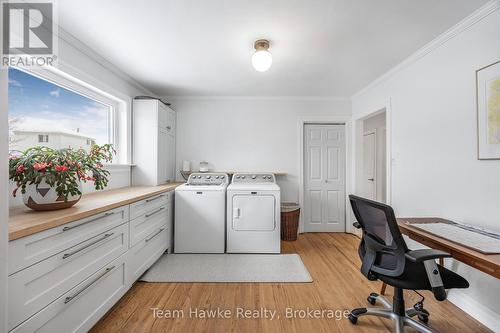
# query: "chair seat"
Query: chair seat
415,277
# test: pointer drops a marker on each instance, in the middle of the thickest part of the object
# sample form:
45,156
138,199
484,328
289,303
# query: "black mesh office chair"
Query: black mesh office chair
386,257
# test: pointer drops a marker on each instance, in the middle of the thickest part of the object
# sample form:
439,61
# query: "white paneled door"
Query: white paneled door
369,165
324,178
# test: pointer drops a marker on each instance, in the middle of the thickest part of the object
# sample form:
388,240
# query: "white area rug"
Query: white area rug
228,268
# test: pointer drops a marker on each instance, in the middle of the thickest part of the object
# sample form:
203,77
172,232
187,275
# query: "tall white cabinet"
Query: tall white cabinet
153,143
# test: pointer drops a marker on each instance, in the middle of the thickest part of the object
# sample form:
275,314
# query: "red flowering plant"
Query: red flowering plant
63,169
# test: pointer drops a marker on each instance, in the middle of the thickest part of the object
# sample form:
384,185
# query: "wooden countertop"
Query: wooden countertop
24,221
488,263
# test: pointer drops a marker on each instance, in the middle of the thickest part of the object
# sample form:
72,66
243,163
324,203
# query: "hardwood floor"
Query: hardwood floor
338,285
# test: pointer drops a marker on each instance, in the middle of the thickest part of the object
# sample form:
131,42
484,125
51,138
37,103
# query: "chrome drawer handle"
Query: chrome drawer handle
156,234
93,220
153,199
70,298
69,254
155,212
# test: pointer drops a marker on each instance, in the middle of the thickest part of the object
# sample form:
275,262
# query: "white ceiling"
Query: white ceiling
327,48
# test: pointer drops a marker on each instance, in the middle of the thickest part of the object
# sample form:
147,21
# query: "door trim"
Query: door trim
384,105
345,120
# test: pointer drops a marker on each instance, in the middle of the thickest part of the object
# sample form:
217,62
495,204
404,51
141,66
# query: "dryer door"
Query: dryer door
254,212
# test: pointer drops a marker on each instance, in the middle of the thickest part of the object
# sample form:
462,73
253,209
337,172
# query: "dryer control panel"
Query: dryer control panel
208,178
254,178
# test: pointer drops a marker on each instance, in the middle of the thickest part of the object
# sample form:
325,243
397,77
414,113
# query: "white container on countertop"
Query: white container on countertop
203,166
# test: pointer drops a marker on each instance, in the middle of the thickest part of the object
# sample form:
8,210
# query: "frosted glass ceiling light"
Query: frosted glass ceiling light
262,59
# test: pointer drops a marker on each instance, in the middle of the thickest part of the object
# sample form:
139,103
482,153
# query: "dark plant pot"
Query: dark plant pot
43,197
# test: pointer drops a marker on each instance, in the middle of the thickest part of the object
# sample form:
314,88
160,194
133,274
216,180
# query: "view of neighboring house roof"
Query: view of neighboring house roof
78,135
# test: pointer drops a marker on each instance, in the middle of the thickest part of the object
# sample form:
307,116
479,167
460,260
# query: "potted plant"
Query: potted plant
52,179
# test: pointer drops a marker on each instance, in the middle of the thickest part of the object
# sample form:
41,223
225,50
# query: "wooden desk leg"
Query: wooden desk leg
382,290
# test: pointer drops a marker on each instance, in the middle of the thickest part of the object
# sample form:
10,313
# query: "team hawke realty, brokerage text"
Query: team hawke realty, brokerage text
242,313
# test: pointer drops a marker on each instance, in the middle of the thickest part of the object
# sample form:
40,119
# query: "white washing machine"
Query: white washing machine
253,214
200,214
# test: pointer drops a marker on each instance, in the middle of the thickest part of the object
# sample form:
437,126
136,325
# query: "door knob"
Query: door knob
326,181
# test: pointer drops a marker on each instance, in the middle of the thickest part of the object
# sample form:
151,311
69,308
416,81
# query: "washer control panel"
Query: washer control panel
253,178
208,178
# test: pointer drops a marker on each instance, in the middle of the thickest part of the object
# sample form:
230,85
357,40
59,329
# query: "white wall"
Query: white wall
241,134
79,62
435,171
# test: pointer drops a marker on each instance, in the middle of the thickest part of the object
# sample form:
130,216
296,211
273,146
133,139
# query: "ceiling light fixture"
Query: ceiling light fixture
262,59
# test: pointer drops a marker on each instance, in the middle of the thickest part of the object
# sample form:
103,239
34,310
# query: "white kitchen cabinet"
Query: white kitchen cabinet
170,157
154,127
147,216
145,253
142,207
163,157
64,279
27,251
141,227
82,306
37,286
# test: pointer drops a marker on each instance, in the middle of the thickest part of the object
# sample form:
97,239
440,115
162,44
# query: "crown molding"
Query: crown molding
458,28
258,98
103,62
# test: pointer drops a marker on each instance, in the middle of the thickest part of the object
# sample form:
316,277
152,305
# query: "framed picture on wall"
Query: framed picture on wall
488,112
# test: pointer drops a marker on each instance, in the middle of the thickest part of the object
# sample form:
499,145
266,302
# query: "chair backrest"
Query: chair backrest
382,249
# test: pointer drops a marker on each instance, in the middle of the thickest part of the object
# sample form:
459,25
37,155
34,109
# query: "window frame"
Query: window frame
79,87
42,138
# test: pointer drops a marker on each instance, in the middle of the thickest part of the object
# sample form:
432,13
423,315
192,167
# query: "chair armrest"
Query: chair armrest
426,254
356,225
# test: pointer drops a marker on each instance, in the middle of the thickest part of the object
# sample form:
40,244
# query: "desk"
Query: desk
487,263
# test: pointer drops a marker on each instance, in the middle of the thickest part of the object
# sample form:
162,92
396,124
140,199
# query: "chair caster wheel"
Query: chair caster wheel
352,318
372,300
424,316
424,319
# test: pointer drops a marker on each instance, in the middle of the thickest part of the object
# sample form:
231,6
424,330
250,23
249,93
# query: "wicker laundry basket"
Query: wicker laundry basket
290,213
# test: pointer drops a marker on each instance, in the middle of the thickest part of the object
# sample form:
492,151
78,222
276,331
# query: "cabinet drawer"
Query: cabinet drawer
142,226
81,307
33,288
24,252
145,254
147,205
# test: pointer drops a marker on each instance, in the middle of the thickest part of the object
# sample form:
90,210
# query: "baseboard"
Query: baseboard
475,309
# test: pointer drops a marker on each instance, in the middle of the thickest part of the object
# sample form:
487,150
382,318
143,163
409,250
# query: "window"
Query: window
39,109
